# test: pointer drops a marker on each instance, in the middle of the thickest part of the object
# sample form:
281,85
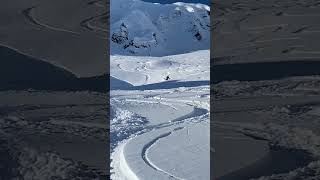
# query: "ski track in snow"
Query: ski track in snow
149,162
195,109
28,13
148,131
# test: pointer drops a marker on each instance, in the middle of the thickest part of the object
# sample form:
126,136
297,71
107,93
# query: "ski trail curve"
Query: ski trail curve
148,162
136,153
28,13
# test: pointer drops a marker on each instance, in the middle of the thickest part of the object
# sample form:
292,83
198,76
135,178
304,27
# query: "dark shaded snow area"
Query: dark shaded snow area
283,112
20,72
47,135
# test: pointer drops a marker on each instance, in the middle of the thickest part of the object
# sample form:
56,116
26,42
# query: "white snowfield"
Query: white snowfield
142,28
139,70
159,91
160,128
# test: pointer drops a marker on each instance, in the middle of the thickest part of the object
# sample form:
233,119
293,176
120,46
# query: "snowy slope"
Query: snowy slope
185,1
142,28
173,145
150,127
142,70
159,90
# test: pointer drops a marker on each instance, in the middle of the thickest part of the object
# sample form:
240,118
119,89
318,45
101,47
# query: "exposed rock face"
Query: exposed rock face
153,29
121,36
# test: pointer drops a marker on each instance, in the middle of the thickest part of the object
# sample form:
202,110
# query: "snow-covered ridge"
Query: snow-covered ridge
142,28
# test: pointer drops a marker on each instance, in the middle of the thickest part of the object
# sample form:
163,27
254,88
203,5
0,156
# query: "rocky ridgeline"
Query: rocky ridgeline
154,29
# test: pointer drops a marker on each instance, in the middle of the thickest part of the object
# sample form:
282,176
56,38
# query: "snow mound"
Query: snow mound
123,124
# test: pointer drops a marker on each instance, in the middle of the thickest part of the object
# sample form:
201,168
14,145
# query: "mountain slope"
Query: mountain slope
185,1
141,28
141,70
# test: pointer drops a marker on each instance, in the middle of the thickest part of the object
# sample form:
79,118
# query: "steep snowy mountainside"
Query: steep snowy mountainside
208,2
142,28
